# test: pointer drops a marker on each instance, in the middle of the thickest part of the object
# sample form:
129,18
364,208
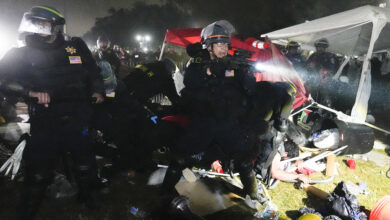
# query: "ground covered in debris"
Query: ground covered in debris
289,199
125,192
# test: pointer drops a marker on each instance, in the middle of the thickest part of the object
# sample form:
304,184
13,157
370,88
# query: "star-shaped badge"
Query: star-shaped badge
70,50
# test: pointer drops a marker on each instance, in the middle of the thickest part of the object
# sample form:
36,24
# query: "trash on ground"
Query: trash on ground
326,139
354,189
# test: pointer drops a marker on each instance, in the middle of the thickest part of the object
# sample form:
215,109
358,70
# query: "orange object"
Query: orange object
217,167
381,210
330,165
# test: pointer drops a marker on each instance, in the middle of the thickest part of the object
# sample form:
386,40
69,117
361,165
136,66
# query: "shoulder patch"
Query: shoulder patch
75,60
229,73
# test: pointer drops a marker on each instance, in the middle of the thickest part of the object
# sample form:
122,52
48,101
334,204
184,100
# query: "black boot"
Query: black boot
248,179
180,209
88,182
168,191
30,201
172,176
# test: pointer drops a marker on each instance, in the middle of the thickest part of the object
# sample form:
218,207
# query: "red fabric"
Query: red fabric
182,120
216,167
306,171
183,36
279,69
381,210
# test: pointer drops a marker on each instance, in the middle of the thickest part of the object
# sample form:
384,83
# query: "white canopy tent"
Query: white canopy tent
357,32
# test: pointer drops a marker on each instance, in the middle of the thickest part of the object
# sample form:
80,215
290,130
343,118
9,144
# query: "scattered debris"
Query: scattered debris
354,189
138,213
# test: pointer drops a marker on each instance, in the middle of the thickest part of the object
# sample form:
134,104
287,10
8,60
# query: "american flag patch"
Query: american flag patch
75,60
229,73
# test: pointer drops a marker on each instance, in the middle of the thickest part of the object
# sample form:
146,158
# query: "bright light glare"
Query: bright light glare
271,68
5,42
145,49
138,38
259,66
147,38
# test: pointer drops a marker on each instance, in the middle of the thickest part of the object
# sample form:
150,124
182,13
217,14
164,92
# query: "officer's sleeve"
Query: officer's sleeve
193,77
247,80
95,79
13,70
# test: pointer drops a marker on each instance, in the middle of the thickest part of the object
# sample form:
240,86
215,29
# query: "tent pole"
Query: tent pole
162,51
340,70
359,109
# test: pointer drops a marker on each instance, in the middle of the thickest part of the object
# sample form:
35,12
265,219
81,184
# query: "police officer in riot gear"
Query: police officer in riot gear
321,65
63,77
215,98
322,62
295,57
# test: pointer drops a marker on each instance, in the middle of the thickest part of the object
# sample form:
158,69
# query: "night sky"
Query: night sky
80,14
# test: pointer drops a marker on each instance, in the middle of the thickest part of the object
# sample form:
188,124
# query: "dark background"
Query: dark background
121,20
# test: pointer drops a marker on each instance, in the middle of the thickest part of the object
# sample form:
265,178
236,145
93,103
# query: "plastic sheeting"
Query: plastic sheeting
357,32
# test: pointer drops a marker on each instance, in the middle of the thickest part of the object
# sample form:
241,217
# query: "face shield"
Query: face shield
35,25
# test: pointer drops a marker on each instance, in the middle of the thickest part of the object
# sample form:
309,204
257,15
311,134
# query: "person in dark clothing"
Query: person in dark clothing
148,80
105,53
295,57
137,126
274,145
321,66
62,76
215,99
322,62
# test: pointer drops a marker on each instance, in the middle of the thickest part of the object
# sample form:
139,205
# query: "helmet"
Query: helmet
103,42
42,20
217,32
310,216
323,42
292,44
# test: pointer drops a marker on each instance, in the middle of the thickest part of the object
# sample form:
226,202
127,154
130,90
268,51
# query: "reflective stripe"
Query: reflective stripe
51,10
145,70
293,87
220,35
107,78
141,67
259,44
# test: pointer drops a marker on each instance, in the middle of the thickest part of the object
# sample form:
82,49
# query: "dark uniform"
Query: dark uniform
68,73
325,64
138,129
216,105
297,61
148,80
321,67
275,111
